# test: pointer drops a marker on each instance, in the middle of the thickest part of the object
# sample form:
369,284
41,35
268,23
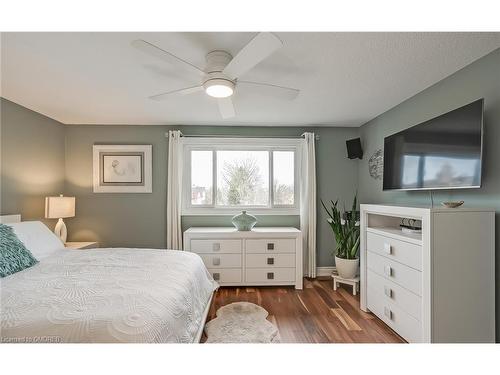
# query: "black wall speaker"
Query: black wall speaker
354,148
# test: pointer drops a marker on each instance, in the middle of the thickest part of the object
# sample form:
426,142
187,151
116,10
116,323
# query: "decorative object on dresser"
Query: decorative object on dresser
122,168
244,221
433,286
58,208
410,225
262,256
452,204
241,322
345,227
81,245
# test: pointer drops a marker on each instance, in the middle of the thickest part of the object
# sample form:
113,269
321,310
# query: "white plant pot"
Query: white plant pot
347,268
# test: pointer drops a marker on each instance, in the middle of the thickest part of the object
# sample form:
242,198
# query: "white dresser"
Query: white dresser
263,256
434,286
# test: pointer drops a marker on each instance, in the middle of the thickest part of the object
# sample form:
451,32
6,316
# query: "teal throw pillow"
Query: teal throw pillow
14,256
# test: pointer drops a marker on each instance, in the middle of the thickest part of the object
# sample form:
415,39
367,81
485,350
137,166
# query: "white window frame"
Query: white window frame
243,144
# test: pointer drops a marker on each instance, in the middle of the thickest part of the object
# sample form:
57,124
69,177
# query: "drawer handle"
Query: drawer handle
216,276
216,246
388,248
270,261
388,313
216,261
388,291
270,275
388,270
270,246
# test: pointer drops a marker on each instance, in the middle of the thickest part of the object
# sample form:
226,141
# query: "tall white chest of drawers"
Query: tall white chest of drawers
433,286
262,256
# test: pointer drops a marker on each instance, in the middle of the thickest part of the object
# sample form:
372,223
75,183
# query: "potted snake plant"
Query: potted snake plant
345,227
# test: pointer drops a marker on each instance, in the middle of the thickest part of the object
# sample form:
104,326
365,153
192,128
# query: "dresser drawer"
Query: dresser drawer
216,246
268,246
221,260
400,251
405,276
270,260
226,275
270,275
403,298
403,323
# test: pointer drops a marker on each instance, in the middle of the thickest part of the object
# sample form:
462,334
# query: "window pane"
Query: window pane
283,173
201,177
242,178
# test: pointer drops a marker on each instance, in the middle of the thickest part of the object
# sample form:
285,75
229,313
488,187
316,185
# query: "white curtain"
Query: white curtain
174,191
308,205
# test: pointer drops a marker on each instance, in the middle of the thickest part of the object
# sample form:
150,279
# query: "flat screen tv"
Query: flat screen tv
442,153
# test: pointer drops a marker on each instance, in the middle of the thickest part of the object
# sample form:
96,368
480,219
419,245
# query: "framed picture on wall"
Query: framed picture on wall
122,168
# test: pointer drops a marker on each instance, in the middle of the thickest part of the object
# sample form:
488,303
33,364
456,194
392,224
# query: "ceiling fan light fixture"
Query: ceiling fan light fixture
219,88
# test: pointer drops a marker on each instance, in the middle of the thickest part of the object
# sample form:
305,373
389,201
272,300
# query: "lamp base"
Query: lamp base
61,231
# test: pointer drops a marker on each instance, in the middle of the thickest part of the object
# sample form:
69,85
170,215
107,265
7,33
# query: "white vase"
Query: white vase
347,268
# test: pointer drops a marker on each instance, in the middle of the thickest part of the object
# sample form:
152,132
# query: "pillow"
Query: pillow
37,238
14,256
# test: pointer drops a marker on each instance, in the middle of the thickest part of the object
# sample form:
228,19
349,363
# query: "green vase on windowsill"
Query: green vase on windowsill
244,222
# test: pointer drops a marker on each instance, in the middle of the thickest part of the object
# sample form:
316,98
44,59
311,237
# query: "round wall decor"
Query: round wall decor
376,165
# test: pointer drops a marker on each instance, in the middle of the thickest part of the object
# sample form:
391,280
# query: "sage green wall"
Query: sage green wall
481,79
139,219
32,161
116,219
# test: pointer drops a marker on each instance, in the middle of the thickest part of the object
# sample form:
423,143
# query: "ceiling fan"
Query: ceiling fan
220,77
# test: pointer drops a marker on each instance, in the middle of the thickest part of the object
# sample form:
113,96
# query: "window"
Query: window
225,176
242,178
201,180
283,178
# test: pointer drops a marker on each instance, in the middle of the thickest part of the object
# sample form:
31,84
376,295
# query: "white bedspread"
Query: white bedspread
107,295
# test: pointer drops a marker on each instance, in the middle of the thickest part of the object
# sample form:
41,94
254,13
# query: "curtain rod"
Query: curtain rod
240,136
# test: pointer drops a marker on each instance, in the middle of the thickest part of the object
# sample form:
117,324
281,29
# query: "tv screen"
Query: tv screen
442,153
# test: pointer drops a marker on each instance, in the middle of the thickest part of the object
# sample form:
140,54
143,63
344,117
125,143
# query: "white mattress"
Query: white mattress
107,295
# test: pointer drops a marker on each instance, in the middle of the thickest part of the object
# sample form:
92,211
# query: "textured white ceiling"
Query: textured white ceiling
345,79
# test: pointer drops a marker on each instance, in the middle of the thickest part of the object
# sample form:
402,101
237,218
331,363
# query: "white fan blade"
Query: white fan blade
186,91
275,91
259,48
155,51
226,107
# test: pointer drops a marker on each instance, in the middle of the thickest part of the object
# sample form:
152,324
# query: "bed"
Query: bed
106,295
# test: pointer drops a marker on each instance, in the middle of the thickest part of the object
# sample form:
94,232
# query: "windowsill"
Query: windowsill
232,212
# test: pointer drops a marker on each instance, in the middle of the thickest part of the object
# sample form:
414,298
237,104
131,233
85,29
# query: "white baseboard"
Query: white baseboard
324,271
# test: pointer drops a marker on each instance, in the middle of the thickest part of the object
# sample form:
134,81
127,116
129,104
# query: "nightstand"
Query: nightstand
81,245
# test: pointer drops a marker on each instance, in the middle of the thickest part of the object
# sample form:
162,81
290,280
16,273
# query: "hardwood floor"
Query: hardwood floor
316,314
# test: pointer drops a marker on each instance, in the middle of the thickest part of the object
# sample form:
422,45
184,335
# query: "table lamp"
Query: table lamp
58,208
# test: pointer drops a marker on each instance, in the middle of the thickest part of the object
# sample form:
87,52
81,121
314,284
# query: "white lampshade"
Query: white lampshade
59,207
